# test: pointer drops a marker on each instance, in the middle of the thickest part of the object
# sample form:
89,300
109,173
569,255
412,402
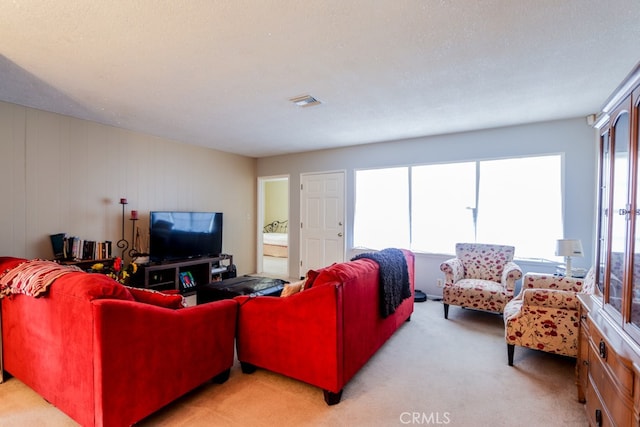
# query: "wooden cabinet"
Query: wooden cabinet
86,264
612,376
611,362
582,363
618,255
608,371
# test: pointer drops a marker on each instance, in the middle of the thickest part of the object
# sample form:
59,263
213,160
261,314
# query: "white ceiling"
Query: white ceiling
220,73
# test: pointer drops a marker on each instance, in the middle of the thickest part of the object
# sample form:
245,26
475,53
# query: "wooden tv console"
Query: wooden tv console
170,275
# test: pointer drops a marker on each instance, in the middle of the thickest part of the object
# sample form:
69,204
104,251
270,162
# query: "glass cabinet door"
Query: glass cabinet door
604,196
621,211
635,267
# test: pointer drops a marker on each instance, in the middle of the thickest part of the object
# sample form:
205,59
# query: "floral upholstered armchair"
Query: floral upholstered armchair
481,276
545,314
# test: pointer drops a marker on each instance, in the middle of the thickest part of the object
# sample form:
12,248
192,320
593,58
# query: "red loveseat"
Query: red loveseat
105,359
324,334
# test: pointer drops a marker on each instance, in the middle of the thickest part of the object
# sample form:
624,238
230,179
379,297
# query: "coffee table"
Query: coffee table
244,285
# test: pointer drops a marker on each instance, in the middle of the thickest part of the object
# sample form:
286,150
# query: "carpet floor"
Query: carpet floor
431,372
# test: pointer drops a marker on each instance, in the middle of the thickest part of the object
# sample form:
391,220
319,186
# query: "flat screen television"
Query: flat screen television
183,235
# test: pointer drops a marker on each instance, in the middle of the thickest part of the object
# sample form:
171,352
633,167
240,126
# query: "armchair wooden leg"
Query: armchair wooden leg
510,348
446,310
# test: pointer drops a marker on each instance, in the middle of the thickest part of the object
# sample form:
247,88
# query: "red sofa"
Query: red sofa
105,359
324,334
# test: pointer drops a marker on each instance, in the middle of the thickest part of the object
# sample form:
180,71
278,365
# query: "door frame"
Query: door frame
262,180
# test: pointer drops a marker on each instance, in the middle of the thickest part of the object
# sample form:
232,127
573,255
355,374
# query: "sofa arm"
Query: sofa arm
551,281
510,274
453,270
299,336
163,352
550,298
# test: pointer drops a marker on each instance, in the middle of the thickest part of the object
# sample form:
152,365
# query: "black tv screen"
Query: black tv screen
181,235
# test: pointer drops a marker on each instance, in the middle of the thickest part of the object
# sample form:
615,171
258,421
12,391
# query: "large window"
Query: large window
432,207
382,208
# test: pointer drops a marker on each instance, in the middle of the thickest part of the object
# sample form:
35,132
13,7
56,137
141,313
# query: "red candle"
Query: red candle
134,214
123,201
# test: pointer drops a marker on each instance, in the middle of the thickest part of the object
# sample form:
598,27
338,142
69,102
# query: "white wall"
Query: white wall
572,137
61,174
276,198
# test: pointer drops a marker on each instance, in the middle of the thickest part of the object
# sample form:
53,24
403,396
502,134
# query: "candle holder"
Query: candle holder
133,252
123,244
135,237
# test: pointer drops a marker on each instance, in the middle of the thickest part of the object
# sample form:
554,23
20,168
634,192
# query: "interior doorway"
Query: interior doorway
273,226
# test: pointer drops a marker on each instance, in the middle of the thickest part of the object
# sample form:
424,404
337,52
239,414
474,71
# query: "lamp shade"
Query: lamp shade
569,247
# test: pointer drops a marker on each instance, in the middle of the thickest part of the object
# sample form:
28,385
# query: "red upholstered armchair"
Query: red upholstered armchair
481,276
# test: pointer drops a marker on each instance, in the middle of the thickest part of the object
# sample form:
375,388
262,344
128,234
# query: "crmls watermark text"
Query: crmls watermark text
430,418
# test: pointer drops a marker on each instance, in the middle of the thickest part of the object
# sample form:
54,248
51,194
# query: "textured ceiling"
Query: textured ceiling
220,73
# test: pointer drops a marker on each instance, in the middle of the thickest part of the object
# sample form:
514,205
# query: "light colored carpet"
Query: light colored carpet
431,372
274,266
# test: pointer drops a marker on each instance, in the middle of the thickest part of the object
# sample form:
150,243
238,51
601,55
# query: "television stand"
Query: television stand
186,275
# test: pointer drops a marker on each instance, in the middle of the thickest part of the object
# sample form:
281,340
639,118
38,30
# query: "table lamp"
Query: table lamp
569,248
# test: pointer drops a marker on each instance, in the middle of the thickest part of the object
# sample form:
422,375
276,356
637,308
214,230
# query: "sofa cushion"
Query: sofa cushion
33,277
311,278
78,283
292,288
168,299
7,263
342,272
91,286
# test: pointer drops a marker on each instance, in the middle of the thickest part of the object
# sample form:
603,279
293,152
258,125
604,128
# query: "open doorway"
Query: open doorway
273,226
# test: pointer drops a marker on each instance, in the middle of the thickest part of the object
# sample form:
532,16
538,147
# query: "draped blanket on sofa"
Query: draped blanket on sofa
394,278
32,277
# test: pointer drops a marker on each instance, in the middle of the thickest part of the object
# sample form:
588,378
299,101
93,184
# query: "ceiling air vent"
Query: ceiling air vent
305,101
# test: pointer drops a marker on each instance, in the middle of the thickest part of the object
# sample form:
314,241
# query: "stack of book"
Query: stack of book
77,249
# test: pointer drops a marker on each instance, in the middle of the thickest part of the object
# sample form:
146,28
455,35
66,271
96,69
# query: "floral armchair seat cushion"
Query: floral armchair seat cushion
545,314
481,276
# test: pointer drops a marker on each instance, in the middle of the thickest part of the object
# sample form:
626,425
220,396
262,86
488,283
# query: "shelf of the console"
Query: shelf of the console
168,275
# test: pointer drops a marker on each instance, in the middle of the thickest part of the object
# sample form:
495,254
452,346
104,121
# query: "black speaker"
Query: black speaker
419,296
57,243
230,273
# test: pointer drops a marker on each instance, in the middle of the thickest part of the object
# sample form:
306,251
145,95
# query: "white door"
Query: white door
322,220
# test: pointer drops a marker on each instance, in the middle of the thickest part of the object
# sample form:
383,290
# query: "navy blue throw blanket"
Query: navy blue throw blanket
394,278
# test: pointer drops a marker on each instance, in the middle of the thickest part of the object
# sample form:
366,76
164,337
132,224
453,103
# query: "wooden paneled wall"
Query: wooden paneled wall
61,174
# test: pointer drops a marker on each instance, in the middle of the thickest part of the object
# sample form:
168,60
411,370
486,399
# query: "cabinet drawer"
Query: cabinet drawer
619,404
596,412
617,368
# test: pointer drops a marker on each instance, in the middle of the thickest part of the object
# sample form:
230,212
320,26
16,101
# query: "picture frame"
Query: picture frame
187,280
